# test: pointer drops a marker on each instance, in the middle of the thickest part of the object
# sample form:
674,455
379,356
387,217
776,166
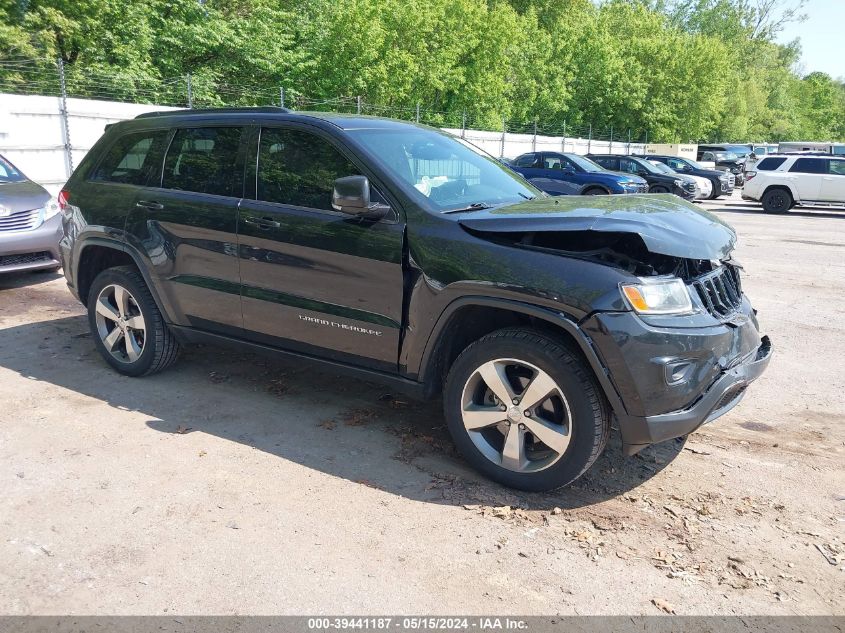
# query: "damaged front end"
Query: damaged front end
688,344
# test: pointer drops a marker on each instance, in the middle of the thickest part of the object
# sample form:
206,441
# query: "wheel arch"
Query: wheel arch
469,318
783,187
97,254
591,186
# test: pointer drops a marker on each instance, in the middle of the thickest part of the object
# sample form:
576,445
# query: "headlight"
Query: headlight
679,183
51,208
658,296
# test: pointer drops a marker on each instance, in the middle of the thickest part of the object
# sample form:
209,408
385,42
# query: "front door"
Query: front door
559,174
313,279
833,183
187,227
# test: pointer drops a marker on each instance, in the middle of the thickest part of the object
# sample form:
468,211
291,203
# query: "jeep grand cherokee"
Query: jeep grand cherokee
403,254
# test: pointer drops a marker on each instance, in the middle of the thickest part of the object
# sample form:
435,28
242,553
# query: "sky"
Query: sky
820,35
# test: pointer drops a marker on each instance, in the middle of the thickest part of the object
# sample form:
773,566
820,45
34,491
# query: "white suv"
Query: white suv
781,182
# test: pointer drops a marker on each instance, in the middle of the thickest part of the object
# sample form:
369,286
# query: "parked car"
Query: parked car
30,227
400,253
723,182
658,182
572,174
703,187
797,180
725,161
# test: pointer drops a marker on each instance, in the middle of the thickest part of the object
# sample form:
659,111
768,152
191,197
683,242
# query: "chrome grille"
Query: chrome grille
20,220
731,180
720,291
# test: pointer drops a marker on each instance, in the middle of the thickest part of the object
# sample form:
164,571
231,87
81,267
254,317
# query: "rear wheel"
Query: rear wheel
777,201
525,411
128,328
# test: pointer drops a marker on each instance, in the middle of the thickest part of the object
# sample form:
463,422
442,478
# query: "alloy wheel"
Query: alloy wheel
516,415
120,323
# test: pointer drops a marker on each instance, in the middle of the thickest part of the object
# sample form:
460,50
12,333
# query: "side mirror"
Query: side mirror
351,194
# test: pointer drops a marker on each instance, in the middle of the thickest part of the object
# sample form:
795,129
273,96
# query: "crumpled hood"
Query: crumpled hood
666,224
23,196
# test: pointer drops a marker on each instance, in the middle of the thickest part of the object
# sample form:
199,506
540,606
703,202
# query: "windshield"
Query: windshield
662,168
584,163
739,151
726,156
446,173
8,172
647,166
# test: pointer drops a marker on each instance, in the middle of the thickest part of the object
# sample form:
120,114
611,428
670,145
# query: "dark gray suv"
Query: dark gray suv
404,255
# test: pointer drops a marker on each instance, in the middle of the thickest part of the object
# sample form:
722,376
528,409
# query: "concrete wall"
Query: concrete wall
32,135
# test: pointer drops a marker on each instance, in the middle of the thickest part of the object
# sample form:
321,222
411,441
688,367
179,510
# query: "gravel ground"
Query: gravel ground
236,485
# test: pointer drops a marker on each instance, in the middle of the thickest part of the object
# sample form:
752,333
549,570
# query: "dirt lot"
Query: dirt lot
233,484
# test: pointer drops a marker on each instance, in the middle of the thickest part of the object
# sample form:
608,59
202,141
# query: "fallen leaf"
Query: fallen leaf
664,606
181,429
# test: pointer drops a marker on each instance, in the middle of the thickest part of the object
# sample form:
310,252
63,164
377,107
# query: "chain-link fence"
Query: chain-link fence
509,138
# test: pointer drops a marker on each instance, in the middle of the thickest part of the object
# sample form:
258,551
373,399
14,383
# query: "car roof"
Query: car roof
342,121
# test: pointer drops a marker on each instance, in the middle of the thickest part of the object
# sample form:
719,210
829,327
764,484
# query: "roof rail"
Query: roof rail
258,109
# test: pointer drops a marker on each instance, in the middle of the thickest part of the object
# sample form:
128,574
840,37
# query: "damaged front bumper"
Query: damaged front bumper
672,380
722,396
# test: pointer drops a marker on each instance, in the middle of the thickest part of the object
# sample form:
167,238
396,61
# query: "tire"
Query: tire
777,201
127,326
658,189
595,191
717,190
575,410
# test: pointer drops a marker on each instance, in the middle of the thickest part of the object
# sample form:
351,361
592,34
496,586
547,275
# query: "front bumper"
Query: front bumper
672,380
722,396
33,249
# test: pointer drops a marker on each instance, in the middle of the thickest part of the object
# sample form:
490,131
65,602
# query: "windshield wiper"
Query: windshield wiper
525,196
475,206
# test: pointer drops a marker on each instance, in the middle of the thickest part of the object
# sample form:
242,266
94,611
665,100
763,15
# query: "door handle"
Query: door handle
149,204
262,223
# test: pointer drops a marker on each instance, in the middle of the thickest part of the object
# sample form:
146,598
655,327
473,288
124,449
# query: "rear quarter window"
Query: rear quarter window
770,164
134,159
809,166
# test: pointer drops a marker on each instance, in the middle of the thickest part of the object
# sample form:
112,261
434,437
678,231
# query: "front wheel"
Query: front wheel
658,189
128,328
595,191
525,411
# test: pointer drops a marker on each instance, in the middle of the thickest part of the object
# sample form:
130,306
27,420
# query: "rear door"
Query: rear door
187,226
805,176
833,183
316,280
128,167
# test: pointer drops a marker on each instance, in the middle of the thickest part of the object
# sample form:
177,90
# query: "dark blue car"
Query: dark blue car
571,174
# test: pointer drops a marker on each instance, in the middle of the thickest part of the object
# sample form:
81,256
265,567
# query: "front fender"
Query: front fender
556,317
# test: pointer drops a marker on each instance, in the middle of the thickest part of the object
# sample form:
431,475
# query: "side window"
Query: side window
606,162
676,164
299,168
629,166
204,160
836,167
550,161
770,164
526,160
809,166
135,159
